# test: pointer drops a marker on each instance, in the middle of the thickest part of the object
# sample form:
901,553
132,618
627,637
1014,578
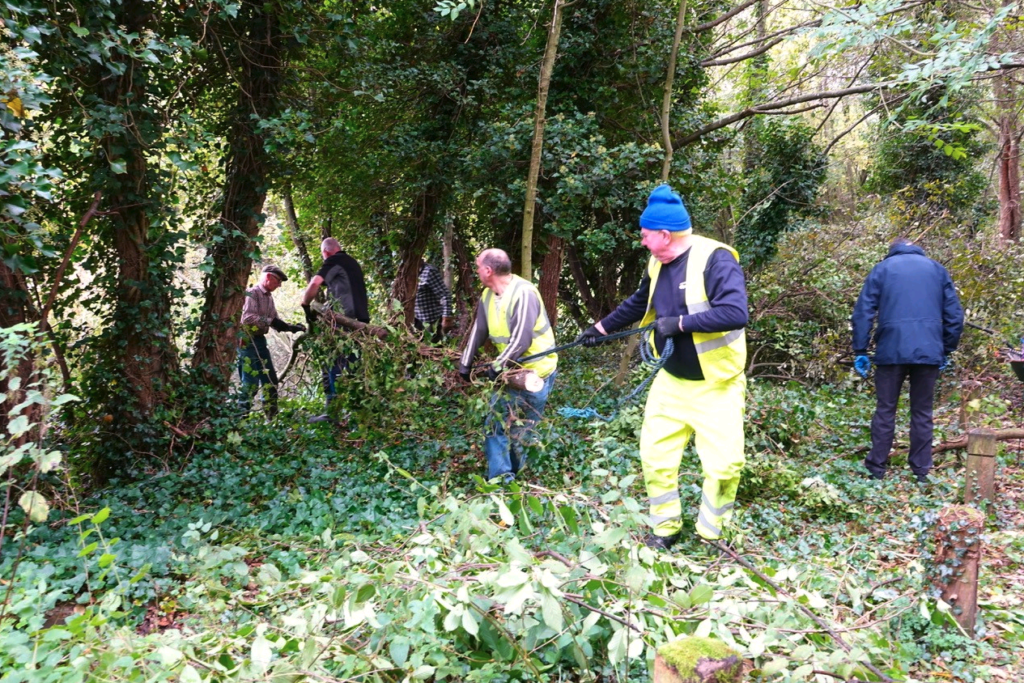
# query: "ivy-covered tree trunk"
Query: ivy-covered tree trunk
138,345
463,292
550,273
259,64
403,289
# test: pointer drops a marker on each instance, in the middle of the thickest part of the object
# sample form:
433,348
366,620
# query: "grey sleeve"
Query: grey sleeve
477,337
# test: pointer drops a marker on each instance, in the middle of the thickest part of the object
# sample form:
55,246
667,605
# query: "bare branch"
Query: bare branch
767,107
723,18
743,57
785,32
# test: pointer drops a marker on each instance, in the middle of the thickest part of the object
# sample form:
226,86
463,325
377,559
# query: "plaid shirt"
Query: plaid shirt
258,311
433,300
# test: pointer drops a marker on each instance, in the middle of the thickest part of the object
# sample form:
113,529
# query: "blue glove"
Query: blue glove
862,364
944,364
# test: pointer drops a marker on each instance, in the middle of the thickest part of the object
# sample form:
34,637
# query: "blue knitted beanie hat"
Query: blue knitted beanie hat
665,211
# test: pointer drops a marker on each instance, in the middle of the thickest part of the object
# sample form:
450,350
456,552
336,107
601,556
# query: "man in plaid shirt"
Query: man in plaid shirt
433,304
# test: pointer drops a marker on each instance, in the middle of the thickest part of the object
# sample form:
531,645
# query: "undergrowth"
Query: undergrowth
369,553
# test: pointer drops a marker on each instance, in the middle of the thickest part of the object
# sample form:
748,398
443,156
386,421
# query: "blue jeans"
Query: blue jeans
256,368
342,365
522,410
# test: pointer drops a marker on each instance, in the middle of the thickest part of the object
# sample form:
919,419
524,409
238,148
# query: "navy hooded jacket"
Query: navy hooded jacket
912,302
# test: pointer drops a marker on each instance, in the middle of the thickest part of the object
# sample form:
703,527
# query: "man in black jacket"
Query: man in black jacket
911,301
347,295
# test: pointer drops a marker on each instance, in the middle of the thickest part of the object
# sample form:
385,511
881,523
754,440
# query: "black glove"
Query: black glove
669,326
465,376
591,337
492,374
311,315
281,326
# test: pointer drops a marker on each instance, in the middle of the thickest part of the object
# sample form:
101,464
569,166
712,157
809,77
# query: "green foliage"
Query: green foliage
782,184
23,178
23,455
926,163
274,549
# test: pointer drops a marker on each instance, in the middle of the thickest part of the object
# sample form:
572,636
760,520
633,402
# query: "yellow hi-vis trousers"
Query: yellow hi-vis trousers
677,408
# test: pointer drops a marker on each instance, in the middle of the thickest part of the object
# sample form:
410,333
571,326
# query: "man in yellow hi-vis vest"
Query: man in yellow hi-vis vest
510,313
695,291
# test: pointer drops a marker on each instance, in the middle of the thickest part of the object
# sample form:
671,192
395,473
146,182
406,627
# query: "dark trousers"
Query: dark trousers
888,384
256,368
432,332
343,365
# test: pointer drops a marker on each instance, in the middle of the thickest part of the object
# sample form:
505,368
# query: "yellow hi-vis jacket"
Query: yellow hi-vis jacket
722,355
499,312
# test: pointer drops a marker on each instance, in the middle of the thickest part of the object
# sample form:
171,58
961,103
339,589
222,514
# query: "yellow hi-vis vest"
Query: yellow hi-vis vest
498,310
722,355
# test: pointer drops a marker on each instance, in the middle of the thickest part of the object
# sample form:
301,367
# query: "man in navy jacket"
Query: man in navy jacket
911,301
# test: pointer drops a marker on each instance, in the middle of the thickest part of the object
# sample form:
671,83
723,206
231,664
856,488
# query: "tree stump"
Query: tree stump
697,660
981,465
958,552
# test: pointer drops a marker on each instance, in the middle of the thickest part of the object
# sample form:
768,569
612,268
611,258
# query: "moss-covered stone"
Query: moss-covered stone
702,660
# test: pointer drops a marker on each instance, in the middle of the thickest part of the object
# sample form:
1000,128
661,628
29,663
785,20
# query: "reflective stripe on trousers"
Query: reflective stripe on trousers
713,411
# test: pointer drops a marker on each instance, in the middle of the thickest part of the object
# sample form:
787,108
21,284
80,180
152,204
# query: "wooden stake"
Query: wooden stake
981,465
958,553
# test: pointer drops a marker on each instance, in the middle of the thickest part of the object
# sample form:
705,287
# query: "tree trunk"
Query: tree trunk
666,102
586,293
1009,183
259,65
138,346
544,83
1008,162
446,253
463,296
403,289
550,273
296,235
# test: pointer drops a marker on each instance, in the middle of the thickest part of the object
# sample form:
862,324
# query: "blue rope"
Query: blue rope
649,358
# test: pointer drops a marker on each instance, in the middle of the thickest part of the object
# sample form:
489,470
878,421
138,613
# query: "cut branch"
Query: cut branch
961,442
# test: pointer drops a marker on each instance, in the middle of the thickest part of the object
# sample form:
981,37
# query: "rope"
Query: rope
607,338
648,357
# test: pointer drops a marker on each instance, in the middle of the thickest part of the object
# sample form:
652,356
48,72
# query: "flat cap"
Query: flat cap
274,270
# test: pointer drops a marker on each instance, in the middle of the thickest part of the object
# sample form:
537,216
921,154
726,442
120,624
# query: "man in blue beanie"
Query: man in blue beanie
919,321
695,292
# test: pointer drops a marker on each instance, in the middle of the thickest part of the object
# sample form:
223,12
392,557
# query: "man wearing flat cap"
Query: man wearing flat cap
695,294
259,315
